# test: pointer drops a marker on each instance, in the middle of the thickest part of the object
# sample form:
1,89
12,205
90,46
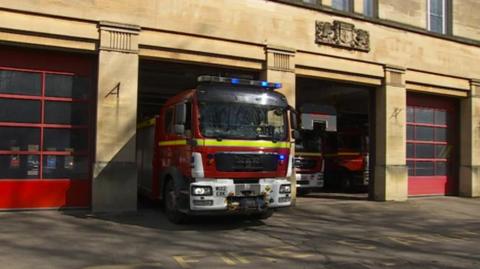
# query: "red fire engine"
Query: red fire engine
309,161
220,148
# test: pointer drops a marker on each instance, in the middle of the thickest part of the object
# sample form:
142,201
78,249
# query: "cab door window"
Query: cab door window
188,120
187,123
169,121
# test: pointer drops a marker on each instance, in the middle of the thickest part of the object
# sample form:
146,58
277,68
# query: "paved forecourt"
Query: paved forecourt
322,231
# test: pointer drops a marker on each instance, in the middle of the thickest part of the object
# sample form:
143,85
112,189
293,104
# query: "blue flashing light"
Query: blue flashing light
238,81
281,157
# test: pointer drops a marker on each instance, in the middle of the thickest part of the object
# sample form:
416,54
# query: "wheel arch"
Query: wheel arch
171,173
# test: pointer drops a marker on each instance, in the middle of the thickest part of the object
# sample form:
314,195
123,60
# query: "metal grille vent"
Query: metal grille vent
281,61
120,41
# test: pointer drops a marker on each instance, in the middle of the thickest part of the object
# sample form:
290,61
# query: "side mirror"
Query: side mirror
293,118
179,129
296,135
180,114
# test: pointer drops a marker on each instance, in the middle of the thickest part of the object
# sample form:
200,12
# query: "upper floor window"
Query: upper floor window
369,8
344,5
437,16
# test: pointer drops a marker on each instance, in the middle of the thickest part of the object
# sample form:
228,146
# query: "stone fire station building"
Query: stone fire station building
75,77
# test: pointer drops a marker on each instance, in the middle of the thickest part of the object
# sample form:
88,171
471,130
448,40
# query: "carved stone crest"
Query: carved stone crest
342,34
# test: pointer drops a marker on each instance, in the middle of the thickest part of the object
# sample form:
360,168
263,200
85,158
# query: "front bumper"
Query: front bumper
361,179
310,181
251,197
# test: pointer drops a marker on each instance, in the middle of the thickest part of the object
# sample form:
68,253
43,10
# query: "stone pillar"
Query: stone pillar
391,173
280,67
114,185
469,182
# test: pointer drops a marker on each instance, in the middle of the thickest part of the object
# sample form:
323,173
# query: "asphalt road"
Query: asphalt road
322,231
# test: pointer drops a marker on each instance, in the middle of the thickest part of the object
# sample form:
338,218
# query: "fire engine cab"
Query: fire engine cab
223,147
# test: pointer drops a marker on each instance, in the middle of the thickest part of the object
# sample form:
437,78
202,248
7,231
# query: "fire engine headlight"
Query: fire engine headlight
285,188
202,191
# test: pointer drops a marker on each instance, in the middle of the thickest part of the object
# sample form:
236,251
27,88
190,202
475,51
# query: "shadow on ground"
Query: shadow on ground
317,233
336,194
151,215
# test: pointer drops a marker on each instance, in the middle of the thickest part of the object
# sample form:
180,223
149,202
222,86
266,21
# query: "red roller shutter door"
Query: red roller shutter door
45,129
432,145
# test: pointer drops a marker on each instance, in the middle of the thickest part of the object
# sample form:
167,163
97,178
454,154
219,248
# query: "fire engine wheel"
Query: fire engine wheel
171,204
346,182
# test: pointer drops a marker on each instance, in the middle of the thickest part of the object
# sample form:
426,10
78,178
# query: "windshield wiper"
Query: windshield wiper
268,133
269,137
218,136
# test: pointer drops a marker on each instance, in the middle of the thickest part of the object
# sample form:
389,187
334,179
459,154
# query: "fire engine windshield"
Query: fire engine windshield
311,141
349,141
243,121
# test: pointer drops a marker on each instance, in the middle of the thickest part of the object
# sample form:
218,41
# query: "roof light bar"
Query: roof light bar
239,81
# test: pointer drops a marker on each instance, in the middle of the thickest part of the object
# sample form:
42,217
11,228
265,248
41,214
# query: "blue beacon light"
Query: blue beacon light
281,157
264,84
235,81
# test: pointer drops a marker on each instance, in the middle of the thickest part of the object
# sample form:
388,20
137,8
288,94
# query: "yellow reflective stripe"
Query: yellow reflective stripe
229,143
243,143
173,142
146,123
308,154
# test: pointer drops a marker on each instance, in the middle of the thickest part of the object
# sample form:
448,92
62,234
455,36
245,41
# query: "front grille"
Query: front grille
246,180
246,162
247,189
305,163
248,203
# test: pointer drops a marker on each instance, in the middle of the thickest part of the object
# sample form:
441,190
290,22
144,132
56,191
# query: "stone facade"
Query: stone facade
465,20
410,12
275,38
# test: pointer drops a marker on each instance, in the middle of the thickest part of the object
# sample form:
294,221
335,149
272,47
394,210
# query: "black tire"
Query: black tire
346,182
170,204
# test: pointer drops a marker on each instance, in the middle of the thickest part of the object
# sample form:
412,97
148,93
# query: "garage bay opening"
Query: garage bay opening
220,145
334,153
